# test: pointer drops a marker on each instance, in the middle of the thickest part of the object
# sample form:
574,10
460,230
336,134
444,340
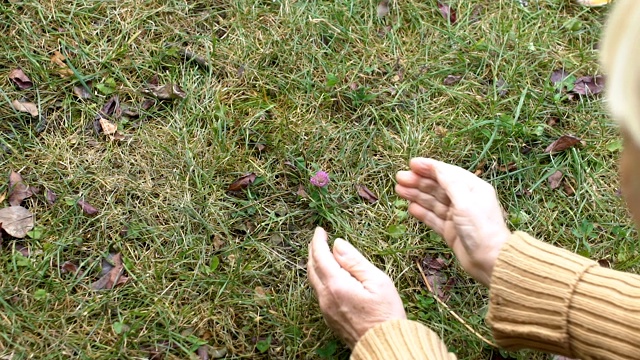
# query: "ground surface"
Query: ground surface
280,89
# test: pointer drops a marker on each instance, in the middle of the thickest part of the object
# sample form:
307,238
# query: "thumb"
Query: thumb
351,260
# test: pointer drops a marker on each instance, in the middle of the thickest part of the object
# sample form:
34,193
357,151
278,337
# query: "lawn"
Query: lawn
267,93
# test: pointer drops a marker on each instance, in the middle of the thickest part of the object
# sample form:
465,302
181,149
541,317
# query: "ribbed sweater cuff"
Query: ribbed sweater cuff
400,340
532,286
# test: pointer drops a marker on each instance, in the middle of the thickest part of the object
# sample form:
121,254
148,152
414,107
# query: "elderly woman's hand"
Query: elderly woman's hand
354,295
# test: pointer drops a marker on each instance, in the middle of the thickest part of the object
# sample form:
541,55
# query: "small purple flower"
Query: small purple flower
320,179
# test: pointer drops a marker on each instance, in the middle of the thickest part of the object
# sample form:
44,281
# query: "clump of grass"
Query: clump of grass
323,85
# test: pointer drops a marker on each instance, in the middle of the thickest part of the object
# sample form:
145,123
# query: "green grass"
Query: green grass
280,73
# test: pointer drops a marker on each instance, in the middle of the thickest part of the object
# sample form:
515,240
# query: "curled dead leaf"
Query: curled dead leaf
50,196
18,190
383,8
563,143
558,76
21,80
451,79
82,92
112,274
87,208
166,92
301,192
448,13
242,182
16,221
589,85
555,180
26,107
58,59
366,194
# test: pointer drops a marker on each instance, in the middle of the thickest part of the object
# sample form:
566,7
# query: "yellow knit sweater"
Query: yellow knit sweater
541,297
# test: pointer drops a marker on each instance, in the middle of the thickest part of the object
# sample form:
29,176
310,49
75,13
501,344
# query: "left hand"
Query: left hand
354,295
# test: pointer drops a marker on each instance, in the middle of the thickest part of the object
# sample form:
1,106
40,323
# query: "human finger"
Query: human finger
428,217
353,262
410,179
323,262
427,201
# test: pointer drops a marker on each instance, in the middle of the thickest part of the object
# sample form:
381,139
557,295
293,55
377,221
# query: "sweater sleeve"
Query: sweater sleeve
400,340
546,298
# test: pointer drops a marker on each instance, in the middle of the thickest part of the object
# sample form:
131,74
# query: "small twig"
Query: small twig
188,55
424,278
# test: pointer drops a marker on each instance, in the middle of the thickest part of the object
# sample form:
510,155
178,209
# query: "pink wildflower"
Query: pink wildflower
320,179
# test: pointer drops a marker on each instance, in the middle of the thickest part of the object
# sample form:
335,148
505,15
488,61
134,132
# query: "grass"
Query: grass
323,85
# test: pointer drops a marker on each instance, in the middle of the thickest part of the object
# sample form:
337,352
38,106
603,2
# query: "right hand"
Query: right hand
459,206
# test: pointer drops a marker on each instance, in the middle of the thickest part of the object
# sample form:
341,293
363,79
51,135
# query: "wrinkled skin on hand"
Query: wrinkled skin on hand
354,295
459,206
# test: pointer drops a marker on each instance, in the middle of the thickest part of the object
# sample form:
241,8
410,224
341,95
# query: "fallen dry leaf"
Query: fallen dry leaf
563,143
301,192
110,129
604,263
202,352
58,59
553,121
166,92
438,282
451,79
568,189
147,104
112,274
26,107
558,76
589,85
508,168
16,221
69,267
366,194
383,8
82,92
18,190
21,80
242,182
448,13
3,196
87,208
50,196
555,179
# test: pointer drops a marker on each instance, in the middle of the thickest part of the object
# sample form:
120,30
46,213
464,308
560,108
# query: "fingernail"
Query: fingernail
339,246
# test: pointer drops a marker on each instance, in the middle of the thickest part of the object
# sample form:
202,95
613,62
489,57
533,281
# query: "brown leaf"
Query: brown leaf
589,85
16,221
21,80
166,92
51,197
383,8
112,274
301,192
553,121
202,352
108,127
18,190
604,263
558,76
555,179
26,107
568,189
147,104
82,92
111,107
87,208
366,194
448,13
242,182
509,167
69,267
563,143
451,79
58,59
438,282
